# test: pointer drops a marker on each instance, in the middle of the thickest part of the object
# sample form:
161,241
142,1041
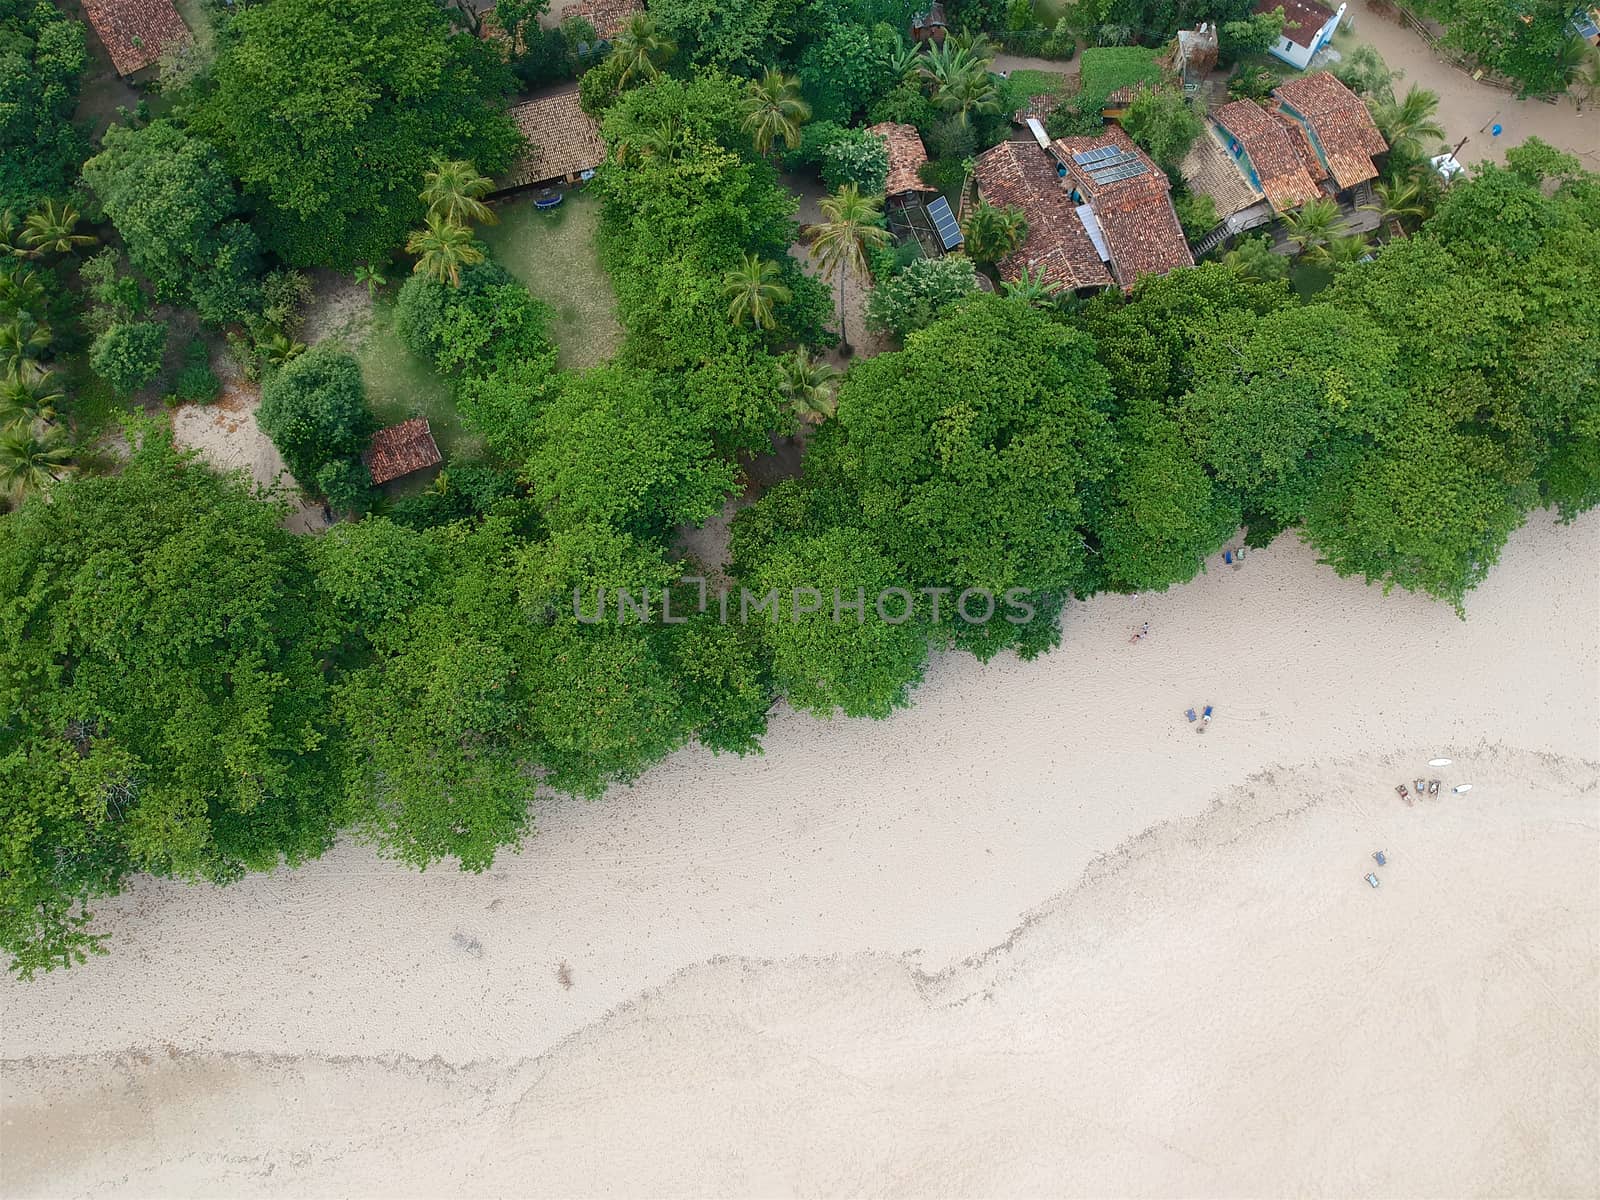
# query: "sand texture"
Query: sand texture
1034,936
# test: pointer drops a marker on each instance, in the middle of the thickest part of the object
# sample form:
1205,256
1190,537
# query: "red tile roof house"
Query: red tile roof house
1307,28
135,33
400,450
1337,124
1128,198
1261,145
1058,247
906,158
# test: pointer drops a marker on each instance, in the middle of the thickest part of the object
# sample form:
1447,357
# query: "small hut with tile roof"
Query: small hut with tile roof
563,140
1340,130
1264,149
400,450
135,33
907,156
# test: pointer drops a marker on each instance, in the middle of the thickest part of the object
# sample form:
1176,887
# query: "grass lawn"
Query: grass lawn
556,255
400,385
1022,86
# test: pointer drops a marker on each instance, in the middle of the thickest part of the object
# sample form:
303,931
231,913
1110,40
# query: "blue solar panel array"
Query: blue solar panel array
1093,156
945,222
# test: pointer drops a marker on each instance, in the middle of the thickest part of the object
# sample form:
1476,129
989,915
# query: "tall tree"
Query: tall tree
851,227
442,248
809,386
754,290
773,110
329,117
642,49
453,190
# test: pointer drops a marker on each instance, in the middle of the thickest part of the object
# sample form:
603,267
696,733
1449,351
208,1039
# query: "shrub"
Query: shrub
913,299
345,484
1061,43
489,322
904,105
197,384
1197,215
860,158
314,412
128,356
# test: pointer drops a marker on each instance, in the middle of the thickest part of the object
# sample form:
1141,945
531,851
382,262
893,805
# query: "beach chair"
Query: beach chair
1207,714
1372,880
1227,556
1379,858
1189,712
1433,787
1421,786
1404,795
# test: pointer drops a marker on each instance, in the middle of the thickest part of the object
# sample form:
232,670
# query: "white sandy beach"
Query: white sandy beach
1033,936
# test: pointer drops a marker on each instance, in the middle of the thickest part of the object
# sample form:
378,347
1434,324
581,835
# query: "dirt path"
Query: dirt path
1467,109
866,344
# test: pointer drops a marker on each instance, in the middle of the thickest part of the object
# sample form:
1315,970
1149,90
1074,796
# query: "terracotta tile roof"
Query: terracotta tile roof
565,140
1209,170
1301,141
1302,19
1135,214
1038,107
400,450
607,16
1283,176
135,32
1341,124
906,154
1057,246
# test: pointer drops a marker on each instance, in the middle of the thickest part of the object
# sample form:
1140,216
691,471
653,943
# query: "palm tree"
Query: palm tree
1032,288
454,190
28,396
991,233
22,338
10,244
808,385
944,61
1570,60
974,44
1313,224
773,109
21,293
442,249
852,226
1398,200
1409,123
905,62
753,292
372,275
642,49
1252,259
31,460
49,227
1341,250
668,139
968,92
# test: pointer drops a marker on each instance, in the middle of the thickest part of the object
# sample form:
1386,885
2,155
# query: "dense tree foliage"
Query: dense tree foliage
175,207
316,414
167,713
42,55
331,117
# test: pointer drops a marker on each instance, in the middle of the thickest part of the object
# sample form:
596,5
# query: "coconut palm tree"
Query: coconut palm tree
991,233
49,229
974,44
967,92
22,338
642,49
1340,250
809,386
1399,200
32,459
1313,224
10,242
753,291
1032,288
666,140
28,396
442,248
454,190
773,109
944,61
852,226
1409,123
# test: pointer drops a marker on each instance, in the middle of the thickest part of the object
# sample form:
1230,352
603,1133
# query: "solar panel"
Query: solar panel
1126,171
945,222
1094,156
1121,159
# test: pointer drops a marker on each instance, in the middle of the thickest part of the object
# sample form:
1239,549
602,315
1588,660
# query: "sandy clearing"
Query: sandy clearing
810,192
1222,1008
1467,109
227,437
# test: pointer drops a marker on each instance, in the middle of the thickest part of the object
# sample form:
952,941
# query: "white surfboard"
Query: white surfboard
1438,762
1461,787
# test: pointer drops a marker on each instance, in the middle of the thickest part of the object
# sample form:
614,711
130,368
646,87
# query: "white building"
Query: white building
1307,28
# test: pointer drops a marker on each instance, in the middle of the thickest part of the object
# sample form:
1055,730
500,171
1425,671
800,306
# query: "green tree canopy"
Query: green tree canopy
315,411
331,118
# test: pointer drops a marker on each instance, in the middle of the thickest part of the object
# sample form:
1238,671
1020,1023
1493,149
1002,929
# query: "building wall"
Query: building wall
1301,56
